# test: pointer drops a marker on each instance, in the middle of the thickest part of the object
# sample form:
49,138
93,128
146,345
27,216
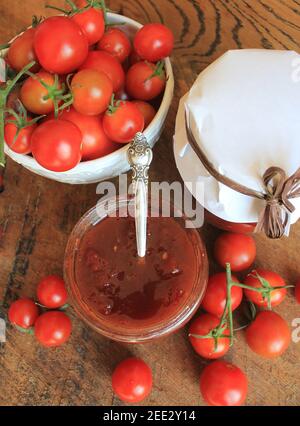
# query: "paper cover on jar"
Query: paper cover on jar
244,113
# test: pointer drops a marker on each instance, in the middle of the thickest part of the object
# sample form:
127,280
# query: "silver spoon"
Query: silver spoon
140,156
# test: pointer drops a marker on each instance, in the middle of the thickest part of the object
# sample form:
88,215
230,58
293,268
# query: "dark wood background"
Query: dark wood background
37,215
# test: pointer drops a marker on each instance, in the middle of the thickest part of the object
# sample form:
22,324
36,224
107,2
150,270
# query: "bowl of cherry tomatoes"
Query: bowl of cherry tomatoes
91,88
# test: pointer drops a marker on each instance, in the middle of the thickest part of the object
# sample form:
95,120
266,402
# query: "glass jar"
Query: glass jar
136,332
224,225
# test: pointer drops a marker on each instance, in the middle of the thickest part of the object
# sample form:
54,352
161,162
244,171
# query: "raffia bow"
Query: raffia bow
278,191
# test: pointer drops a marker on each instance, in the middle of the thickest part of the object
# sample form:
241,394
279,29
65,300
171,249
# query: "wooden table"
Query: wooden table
37,215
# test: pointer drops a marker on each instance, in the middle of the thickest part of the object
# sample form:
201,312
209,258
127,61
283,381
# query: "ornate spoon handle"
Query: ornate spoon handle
140,156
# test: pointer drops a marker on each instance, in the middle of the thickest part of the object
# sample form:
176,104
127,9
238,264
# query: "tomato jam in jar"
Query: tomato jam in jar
128,298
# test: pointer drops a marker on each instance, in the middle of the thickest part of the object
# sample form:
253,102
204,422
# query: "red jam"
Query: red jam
127,290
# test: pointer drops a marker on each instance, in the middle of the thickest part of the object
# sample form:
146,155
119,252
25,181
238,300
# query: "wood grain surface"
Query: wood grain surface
37,215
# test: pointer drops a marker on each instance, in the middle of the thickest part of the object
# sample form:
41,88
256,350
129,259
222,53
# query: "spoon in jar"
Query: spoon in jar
140,156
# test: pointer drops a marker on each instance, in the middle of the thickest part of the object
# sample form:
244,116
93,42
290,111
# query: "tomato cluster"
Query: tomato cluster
211,333
89,89
53,327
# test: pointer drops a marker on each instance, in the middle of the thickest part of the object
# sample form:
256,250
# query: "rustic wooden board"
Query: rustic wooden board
36,216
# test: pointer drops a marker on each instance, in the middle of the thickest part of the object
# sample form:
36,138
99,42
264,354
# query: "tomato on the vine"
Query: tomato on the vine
147,111
95,143
35,96
23,313
132,380
201,326
60,45
154,42
122,121
20,143
273,279
91,22
92,91
116,42
223,384
104,62
21,51
145,81
268,335
297,292
214,300
237,249
56,145
51,292
53,328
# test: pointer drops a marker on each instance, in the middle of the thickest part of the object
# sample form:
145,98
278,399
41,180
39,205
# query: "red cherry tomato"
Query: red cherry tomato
22,143
33,94
132,380
123,122
60,45
223,384
147,111
268,335
95,143
237,249
56,145
23,313
121,95
297,292
206,347
53,328
145,81
91,22
154,42
214,300
21,51
51,292
104,62
275,280
116,43
92,91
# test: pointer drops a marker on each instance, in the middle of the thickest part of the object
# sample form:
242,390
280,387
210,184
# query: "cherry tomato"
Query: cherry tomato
147,110
121,124
51,292
22,143
206,347
121,95
56,145
104,62
145,81
21,51
53,328
268,335
95,143
23,313
214,300
237,249
275,280
60,45
154,42
91,22
116,43
132,380
92,91
33,94
297,292
223,384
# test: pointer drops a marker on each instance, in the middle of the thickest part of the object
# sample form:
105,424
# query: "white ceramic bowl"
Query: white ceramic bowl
115,163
